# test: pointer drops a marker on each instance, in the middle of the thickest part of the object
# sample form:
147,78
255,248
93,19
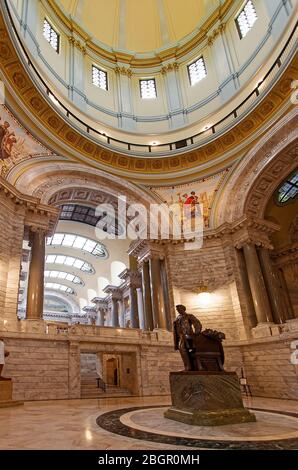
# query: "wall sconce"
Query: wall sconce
204,295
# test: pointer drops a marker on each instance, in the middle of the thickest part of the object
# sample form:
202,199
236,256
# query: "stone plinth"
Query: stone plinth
6,394
207,399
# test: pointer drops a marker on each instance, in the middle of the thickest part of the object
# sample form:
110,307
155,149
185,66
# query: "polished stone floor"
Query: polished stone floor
72,424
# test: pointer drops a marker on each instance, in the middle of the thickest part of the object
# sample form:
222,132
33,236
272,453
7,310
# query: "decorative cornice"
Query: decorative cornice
76,43
169,67
123,71
101,303
131,278
37,215
244,230
216,32
114,291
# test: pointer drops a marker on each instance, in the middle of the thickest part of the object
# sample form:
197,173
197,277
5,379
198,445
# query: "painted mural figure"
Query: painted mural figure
7,140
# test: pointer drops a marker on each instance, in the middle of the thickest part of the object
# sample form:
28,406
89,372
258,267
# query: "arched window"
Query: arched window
78,242
60,287
289,189
71,262
63,275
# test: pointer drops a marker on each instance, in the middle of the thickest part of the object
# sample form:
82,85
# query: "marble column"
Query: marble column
35,290
272,285
251,314
141,308
115,313
289,307
101,317
158,305
123,313
148,320
257,284
133,301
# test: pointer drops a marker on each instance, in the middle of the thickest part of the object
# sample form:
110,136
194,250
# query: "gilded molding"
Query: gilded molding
76,43
123,71
169,67
216,32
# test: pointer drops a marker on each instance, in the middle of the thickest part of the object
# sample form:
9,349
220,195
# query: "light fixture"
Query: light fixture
154,143
204,296
54,99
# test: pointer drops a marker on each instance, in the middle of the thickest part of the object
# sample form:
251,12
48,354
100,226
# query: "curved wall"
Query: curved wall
233,66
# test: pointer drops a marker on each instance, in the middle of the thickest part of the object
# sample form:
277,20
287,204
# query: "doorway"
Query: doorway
112,371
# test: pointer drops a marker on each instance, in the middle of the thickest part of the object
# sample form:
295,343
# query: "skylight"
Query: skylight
78,242
63,275
70,261
59,287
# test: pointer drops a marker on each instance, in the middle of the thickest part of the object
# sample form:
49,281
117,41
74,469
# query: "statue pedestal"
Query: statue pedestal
206,398
6,394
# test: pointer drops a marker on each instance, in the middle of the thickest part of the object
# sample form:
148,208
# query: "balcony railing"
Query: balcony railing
195,140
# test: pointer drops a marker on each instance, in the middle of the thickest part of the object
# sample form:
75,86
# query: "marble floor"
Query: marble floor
72,424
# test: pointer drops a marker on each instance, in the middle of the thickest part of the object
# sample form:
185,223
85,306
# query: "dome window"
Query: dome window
246,19
197,71
148,89
51,35
99,78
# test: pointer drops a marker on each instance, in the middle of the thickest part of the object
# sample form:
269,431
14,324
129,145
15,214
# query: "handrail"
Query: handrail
147,147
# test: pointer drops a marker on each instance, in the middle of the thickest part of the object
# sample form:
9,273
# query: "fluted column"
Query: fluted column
272,284
148,319
35,290
257,284
141,308
158,306
115,312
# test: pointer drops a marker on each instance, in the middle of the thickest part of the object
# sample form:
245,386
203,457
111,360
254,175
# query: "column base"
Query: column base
32,325
263,330
6,394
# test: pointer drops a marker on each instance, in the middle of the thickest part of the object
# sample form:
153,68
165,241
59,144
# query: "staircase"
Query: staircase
89,389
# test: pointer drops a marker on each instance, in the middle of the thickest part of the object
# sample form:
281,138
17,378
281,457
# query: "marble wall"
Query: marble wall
44,369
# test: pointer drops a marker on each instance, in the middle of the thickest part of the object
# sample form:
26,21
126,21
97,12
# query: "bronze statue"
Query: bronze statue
200,350
3,355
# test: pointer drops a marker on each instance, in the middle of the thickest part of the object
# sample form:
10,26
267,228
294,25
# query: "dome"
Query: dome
133,25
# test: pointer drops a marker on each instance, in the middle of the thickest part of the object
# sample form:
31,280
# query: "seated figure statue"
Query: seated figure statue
200,350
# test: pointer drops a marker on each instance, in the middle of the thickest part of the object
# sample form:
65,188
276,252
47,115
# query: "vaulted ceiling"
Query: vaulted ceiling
135,25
